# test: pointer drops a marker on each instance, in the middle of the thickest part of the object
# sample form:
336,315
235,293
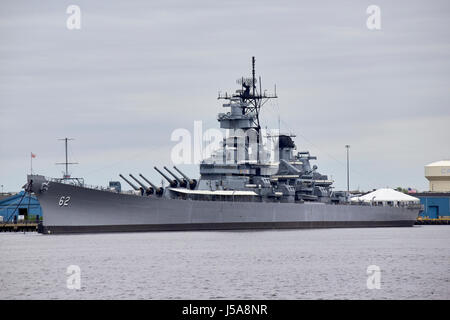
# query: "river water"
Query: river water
414,263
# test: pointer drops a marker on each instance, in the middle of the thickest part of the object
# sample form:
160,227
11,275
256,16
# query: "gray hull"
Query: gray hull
90,210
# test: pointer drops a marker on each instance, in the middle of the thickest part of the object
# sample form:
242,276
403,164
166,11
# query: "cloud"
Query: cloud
134,73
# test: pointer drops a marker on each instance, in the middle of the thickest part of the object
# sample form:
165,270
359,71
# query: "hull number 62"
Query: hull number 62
64,201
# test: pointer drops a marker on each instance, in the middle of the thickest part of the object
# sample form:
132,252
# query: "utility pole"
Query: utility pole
348,174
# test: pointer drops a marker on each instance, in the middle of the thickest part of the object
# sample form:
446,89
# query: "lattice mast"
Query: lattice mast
251,97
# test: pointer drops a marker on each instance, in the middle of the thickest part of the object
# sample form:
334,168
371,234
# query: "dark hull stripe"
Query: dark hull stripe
222,226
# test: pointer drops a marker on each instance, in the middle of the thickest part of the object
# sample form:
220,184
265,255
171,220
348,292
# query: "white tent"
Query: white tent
386,196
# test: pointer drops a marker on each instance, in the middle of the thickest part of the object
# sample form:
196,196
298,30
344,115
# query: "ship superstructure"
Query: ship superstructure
245,163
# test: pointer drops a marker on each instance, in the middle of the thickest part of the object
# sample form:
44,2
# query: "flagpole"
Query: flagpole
31,163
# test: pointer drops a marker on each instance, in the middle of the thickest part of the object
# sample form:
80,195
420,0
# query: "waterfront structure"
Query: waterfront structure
436,200
438,174
436,204
386,197
23,204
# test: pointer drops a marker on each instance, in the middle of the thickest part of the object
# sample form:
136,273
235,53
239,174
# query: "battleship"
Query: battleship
240,187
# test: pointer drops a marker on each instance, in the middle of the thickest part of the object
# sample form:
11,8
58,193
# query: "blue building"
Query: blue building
436,204
29,207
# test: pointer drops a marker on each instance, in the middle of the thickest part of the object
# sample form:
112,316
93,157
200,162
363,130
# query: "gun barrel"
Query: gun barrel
192,182
140,183
184,176
173,175
173,183
126,180
158,190
148,181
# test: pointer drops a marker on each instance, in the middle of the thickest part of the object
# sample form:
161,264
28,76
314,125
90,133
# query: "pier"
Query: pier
432,221
19,227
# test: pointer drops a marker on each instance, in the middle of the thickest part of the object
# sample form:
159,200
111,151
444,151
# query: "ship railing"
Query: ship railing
71,181
79,182
407,205
101,188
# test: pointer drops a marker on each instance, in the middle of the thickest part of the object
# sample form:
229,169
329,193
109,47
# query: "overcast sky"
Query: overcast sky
137,70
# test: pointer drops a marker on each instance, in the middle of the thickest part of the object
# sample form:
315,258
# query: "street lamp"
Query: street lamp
348,174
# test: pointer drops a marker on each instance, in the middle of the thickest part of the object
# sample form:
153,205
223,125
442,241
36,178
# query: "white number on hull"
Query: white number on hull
64,201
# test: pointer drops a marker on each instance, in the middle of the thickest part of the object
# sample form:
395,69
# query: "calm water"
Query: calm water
297,264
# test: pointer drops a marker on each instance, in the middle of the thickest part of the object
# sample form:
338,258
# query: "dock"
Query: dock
432,221
19,227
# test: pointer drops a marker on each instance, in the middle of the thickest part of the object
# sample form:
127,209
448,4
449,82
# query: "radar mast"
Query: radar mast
253,99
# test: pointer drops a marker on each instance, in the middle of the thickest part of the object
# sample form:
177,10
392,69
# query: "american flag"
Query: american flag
33,155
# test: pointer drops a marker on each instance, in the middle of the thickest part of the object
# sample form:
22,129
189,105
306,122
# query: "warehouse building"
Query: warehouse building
27,206
436,201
